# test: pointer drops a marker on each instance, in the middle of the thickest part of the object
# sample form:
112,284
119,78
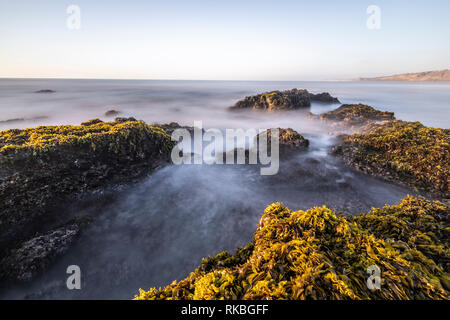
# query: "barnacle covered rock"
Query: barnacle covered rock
317,254
406,152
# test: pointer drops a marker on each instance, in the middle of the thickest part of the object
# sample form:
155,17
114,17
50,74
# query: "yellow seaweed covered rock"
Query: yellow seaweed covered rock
406,152
283,100
317,254
42,166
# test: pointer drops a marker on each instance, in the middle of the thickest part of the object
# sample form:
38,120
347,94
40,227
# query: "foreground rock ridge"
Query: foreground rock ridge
318,254
283,100
46,166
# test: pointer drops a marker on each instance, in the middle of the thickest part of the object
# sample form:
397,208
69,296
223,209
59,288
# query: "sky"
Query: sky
222,40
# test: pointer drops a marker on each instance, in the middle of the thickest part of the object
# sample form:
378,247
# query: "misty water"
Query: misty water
159,229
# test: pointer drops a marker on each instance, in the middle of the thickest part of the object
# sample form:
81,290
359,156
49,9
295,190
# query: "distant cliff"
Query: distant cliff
439,75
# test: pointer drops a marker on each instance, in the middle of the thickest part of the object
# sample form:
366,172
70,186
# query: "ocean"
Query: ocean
75,101
159,230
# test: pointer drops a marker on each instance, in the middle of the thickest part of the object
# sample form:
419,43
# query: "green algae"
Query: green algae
318,254
357,111
118,137
44,167
407,152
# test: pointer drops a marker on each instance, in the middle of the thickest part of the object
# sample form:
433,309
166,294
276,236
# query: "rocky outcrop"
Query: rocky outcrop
44,166
318,254
36,254
282,100
15,120
44,91
323,97
289,140
405,152
350,118
111,113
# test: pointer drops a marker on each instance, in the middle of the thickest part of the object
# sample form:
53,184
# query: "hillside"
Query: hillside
438,75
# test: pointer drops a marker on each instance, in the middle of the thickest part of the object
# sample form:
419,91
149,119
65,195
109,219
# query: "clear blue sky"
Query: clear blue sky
242,40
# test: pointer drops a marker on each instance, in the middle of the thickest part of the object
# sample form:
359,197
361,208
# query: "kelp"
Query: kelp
407,152
318,254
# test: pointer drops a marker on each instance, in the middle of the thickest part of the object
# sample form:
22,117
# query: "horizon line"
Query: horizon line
170,79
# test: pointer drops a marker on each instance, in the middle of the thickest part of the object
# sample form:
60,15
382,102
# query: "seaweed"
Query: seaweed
318,254
406,152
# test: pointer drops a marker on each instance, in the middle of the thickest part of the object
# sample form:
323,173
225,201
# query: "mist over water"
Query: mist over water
75,101
159,230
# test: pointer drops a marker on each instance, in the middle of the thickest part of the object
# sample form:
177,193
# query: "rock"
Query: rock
122,120
356,113
350,118
289,139
320,254
44,91
169,128
23,119
12,120
44,166
323,97
399,151
275,100
36,254
283,100
111,113
289,142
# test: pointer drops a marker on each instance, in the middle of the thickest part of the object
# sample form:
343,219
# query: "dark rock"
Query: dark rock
289,139
111,113
350,118
12,120
44,91
23,119
283,100
36,254
289,142
357,113
121,120
323,97
276,100
44,166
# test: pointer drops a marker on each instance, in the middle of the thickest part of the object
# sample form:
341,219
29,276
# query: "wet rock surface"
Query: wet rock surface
44,167
282,100
37,253
349,118
323,97
289,141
